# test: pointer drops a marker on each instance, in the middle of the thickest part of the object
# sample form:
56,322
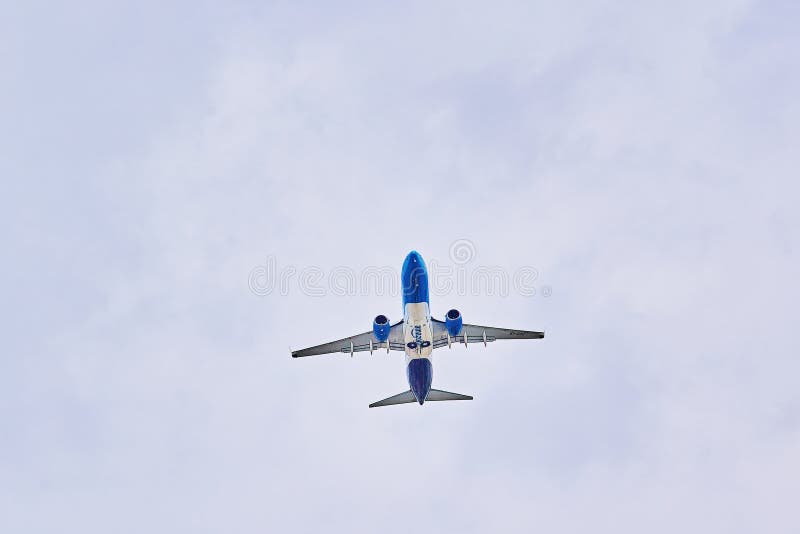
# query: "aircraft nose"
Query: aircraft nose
413,257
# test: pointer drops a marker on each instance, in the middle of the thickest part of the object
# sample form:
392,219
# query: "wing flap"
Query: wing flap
475,334
357,343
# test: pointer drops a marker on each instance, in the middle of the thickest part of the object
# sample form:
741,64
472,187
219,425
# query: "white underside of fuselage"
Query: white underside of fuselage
418,330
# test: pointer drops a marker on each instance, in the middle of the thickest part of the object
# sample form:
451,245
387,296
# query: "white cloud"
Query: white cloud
639,156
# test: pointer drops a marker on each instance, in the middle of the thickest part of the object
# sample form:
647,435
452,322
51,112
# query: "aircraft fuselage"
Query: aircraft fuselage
417,326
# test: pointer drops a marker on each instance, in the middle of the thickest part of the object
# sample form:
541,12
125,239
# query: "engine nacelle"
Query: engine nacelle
381,327
453,322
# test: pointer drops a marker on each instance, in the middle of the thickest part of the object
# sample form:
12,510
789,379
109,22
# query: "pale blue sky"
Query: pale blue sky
641,156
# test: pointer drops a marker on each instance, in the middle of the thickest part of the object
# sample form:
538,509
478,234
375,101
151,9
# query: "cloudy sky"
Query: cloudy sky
641,156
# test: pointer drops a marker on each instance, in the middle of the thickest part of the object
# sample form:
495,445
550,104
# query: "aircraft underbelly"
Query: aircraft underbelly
418,331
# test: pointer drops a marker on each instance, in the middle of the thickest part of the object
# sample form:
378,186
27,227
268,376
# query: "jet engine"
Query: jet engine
381,327
453,322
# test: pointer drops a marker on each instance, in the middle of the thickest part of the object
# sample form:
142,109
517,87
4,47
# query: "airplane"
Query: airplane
417,334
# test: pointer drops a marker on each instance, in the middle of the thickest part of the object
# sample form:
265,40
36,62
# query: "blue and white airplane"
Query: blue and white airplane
417,335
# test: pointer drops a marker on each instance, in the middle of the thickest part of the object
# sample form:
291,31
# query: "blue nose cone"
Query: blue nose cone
413,257
420,376
414,279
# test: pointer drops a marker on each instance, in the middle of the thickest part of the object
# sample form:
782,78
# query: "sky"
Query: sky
639,157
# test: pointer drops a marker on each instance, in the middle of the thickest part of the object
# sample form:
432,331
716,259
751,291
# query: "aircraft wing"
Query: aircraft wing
479,334
357,343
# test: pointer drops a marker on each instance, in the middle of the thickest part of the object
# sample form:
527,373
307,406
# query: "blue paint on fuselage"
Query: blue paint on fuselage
414,279
420,376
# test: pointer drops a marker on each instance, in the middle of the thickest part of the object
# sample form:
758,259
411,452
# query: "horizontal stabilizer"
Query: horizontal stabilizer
407,397
439,395
401,398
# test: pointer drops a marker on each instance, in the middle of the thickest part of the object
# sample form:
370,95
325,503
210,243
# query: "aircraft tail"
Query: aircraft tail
408,397
439,395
